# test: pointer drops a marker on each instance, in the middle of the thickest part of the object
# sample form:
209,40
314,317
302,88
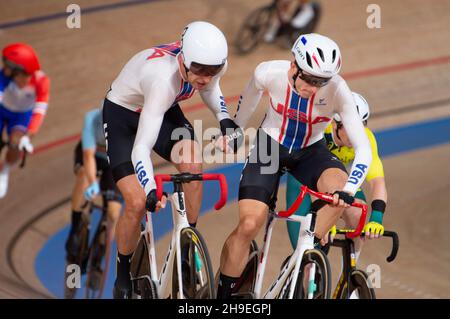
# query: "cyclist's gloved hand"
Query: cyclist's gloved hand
341,197
234,135
153,204
91,191
375,228
25,144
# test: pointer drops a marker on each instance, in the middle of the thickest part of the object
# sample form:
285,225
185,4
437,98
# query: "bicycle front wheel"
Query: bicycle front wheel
197,274
319,285
78,257
98,264
253,29
360,287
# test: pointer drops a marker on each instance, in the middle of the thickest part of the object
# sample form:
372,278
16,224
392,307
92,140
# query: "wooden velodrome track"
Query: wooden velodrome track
405,63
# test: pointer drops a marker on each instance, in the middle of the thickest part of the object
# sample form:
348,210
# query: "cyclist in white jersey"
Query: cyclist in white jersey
141,114
304,95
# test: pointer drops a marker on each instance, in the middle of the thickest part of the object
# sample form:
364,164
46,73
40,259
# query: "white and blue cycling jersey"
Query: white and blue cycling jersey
151,83
297,122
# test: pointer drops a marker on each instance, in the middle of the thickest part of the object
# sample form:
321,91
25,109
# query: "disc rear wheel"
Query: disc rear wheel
317,287
196,275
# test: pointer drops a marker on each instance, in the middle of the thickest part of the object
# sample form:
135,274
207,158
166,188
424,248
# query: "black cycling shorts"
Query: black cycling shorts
120,126
268,160
107,183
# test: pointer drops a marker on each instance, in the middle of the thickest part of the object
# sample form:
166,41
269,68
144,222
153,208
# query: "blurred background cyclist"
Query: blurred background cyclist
24,93
93,175
295,15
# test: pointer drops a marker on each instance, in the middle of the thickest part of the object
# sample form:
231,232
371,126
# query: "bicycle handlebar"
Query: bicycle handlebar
395,245
327,198
24,156
387,233
186,178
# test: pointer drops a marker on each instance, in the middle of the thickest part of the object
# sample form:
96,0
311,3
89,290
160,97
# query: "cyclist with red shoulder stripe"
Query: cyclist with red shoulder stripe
304,94
24,94
141,113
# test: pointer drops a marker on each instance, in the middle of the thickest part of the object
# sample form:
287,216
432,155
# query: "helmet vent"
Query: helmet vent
308,60
321,54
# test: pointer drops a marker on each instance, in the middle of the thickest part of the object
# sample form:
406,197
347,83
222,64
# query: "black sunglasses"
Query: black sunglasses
205,70
311,79
16,68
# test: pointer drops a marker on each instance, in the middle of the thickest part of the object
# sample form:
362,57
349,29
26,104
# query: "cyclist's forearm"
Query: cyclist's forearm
215,101
143,167
90,166
378,189
247,104
146,137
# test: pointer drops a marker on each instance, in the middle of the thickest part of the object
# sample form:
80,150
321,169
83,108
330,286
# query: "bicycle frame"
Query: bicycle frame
180,222
349,258
305,242
348,263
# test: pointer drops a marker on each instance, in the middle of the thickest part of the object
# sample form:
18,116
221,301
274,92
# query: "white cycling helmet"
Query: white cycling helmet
318,55
361,105
203,43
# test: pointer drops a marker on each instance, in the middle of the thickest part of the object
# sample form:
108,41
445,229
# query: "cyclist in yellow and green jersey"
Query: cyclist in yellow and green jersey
339,144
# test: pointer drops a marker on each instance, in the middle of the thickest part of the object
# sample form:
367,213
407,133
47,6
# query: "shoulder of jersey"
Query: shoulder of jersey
273,68
161,66
369,133
335,81
95,111
276,65
39,77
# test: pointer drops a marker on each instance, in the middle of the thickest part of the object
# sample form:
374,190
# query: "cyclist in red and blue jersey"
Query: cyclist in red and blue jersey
141,113
304,95
24,94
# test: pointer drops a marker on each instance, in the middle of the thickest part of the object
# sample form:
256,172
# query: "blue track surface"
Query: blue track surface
394,141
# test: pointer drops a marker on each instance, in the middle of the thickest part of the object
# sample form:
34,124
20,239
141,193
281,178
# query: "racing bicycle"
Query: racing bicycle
354,283
306,274
93,259
187,263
